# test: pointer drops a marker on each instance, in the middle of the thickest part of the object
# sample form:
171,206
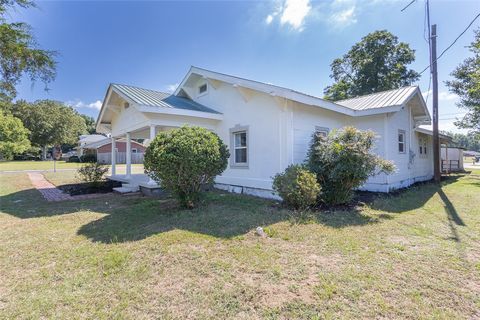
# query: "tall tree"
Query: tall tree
90,123
377,63
466,85
13,136
50,122
20,54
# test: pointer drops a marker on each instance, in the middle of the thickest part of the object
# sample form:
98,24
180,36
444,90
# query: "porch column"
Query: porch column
152,136
152,132
114,156
129,155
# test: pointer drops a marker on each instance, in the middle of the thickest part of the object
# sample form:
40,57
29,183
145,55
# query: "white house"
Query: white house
268,127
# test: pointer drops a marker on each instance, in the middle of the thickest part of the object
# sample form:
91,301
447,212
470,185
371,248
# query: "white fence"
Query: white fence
106,158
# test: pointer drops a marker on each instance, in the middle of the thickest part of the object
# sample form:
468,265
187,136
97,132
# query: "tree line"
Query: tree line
30,126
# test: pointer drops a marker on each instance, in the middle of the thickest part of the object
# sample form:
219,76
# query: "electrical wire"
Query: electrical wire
454,41
408,5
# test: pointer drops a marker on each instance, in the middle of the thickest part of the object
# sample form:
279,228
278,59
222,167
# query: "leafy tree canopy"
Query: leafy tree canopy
377,63
20,54
50,122
466,85
90,123
13,136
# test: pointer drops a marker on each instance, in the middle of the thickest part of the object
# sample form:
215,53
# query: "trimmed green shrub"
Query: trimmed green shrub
297,186
185,159
343,162
73,159
92,173
89,157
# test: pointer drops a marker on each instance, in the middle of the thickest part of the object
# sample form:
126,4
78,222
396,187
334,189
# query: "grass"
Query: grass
412,255
48,165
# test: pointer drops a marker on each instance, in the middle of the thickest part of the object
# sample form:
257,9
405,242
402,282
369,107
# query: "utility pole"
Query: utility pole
436,142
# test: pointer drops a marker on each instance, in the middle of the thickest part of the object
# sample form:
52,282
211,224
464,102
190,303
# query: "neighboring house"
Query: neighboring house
85,139
103,151
268,127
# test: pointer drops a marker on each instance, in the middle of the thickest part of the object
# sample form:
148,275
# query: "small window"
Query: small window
401,141
240,147
322,131
134,150
423,147
202,89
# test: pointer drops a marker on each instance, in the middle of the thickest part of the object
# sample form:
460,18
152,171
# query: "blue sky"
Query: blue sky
288,43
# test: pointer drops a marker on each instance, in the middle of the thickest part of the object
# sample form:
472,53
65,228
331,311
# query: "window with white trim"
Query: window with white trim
323,131
239,144
401,141
422,146
134,150
240,147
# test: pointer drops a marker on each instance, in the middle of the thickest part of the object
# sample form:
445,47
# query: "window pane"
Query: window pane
202,88
421,150
400,137
241,155
400,147
241,139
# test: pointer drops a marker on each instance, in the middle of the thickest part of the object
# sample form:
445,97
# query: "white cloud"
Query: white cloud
269,19
442,95
292,13
170,88
97,105
344,18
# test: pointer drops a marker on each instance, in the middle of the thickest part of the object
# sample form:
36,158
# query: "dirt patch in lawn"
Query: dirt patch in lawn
87,188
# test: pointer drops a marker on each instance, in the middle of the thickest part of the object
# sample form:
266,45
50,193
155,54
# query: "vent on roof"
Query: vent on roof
126,105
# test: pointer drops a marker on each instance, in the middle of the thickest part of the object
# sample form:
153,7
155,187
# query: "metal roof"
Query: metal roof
390,98
146,97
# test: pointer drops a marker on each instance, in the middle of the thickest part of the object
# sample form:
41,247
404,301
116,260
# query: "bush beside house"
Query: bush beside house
183,160
297,186
343,161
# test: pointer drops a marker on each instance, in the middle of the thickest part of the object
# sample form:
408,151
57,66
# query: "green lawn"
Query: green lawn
36,165
48,165
412,255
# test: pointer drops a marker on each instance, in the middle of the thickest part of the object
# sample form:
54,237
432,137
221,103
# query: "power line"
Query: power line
408,5
454,41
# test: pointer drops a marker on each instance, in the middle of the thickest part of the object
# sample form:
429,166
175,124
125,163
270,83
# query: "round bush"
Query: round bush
297,186
185,159
343,161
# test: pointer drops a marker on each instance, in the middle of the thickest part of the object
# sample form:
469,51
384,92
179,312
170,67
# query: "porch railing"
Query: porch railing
121,157
450,165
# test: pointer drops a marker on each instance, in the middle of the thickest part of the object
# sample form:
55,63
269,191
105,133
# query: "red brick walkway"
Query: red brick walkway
52,193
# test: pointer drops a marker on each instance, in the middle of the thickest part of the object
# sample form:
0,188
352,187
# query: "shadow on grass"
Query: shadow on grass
412,198
221,215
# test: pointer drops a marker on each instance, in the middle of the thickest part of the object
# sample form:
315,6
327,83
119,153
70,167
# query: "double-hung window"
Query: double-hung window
322,131
401,141
240,141
423,147
239,147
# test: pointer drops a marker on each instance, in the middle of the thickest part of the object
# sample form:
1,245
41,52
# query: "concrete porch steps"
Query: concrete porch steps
127,188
